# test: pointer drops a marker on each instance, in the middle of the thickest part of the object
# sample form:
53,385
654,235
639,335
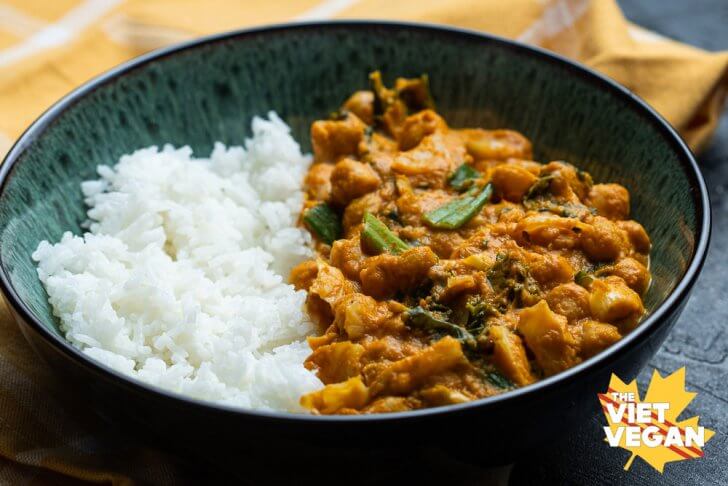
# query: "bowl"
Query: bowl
207,90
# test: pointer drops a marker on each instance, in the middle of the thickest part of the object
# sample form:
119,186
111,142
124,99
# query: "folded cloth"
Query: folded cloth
48,48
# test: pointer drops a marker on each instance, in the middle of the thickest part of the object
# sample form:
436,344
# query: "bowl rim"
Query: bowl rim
655,320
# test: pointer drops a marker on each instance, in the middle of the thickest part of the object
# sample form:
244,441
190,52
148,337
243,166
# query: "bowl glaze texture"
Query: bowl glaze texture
208,90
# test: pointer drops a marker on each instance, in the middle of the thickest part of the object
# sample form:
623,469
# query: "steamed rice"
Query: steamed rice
181,279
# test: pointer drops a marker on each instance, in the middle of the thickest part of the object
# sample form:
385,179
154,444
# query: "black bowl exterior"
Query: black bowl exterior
207,90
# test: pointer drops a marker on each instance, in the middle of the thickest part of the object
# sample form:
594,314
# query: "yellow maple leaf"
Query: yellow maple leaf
670,390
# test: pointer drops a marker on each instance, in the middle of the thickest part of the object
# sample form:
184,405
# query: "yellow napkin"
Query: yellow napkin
49,48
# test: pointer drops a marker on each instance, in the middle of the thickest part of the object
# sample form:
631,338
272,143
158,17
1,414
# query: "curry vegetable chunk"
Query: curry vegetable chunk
451,266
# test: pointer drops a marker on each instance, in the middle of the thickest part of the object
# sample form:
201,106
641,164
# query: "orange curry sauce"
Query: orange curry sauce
532,269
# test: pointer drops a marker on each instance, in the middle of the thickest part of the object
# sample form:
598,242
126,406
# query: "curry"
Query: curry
450,265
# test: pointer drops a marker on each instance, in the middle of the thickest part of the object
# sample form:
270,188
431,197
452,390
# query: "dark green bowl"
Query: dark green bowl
208,90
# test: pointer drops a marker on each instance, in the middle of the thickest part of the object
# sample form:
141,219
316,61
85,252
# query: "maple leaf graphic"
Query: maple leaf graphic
671,390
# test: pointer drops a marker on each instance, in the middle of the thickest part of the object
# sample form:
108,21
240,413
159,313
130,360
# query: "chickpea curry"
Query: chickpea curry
450,265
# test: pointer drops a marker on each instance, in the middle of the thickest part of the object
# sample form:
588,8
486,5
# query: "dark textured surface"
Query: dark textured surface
700,338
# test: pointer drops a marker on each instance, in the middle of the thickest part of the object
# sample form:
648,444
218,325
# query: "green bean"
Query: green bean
379,238
459,211
323,222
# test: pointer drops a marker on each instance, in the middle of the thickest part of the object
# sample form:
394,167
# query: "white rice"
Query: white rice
181,281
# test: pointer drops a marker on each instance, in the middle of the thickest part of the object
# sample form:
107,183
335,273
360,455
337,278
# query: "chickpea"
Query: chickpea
548,269
569,300
512,181
610,201
633,273
637,235
602,240
597,336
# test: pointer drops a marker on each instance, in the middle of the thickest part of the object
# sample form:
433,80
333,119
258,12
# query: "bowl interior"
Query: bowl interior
210,91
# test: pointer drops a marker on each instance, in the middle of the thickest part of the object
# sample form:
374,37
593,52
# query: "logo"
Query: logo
650,428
